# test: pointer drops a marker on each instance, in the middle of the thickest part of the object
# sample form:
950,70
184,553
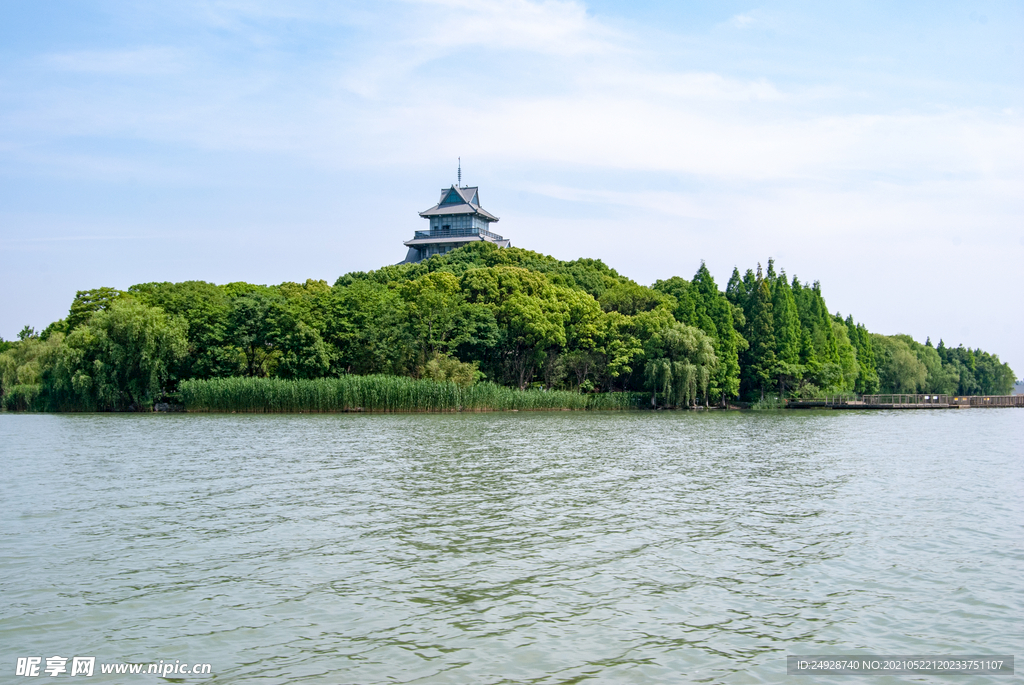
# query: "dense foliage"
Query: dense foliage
475,319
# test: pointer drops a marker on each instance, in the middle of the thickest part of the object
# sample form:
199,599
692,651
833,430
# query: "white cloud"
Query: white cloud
597,101
743,20
550,28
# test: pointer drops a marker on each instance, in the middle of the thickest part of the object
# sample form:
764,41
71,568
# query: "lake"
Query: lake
557,547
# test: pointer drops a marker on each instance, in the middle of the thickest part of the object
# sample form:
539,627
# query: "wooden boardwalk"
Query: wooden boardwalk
898,401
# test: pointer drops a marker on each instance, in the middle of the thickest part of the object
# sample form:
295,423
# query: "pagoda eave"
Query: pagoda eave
443,239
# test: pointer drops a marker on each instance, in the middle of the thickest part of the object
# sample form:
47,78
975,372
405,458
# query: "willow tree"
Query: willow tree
680,361
119,359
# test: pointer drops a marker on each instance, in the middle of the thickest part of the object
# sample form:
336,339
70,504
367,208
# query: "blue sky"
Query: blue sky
876,147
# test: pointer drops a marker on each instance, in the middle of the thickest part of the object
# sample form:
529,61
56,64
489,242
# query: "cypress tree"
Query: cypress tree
867,380
788,332
815,319
714,317
736,289
761,355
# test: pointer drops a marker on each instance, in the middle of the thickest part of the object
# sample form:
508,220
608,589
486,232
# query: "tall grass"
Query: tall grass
382,394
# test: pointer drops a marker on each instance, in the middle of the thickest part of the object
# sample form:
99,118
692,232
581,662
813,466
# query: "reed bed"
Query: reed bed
383,394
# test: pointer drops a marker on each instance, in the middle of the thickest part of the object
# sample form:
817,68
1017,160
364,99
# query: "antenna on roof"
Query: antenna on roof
460,172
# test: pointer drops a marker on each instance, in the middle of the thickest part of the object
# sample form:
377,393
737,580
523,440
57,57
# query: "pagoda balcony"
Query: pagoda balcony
456,233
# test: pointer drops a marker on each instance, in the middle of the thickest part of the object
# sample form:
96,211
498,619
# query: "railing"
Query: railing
896,400
826,401
455,233
906,399
988,401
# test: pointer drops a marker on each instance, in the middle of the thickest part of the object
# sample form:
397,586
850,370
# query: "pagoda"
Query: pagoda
455,220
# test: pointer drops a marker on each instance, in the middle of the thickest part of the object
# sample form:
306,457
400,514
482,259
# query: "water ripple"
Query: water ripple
511,548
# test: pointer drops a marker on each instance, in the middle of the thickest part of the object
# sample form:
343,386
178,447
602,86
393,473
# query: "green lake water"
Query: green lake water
511,548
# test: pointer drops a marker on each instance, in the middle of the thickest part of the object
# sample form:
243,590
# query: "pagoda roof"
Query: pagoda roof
456,200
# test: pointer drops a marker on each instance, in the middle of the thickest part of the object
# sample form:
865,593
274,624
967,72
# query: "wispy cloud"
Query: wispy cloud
743,20
551,28
516,80
139,61
748,145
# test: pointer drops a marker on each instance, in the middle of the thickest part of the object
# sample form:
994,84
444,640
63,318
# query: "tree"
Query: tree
701,304
867,378
850,369
303,353
620,345
815,319
715,316
736,289
24,363
786,319
939,377
630,299
88,302
368,327
899,369
120,359
682,292
995,377
206,309
680,361
530,314
579,365
254,334
761,366
435,309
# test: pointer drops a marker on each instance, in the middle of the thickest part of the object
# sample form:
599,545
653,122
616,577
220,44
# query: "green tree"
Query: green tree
761,359
529,313
368,326
995,377
899,369
120,359
716,317
435,307
680,361
815,319
939,378
701,304
848,365
442,368
630,299
786,320
24,363
252,323
88,302
206,309
867,378
303,353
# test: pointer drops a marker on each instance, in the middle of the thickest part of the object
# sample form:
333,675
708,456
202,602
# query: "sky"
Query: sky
876,147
